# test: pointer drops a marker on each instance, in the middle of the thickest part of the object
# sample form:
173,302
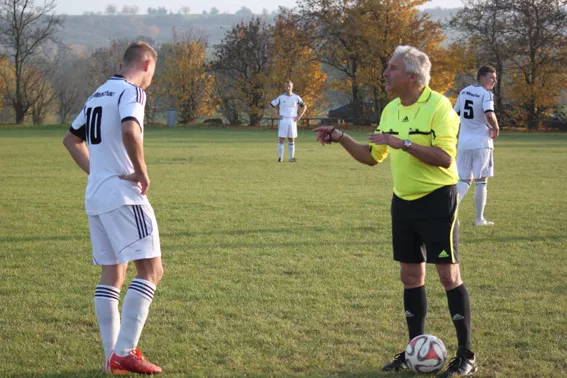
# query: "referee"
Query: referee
419,131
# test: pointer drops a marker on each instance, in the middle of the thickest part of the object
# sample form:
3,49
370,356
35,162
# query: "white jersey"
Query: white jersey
288,104
472,105
100,125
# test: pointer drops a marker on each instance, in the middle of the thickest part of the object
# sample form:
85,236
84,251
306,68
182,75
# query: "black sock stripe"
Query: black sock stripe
137,221
144,286
143,292
107,290
142,289
101,295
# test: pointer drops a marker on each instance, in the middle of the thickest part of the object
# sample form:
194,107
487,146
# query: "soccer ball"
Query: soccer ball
426,354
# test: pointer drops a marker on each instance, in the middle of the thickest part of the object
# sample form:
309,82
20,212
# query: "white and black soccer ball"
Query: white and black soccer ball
426,354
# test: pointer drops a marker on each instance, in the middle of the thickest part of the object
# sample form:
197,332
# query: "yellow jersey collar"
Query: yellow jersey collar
425,95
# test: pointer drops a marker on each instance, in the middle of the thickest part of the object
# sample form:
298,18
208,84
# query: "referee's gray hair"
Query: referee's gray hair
416,62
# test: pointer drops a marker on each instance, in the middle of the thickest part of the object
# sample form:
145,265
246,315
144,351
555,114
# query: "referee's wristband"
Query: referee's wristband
331,135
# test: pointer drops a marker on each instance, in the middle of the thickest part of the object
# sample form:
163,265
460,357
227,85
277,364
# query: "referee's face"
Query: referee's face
395,77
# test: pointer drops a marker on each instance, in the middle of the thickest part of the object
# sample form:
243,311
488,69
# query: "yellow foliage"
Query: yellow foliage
183,78
294,60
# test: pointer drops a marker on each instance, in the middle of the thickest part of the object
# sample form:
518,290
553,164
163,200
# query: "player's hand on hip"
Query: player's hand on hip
296,118
494,133
141,178
281,116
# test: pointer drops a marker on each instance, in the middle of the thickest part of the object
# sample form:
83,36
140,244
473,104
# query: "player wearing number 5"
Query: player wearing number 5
106,141
479,127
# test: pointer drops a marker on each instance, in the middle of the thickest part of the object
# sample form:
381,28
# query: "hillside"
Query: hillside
92,30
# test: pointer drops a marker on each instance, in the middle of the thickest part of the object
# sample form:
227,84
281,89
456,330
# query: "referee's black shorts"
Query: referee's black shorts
426,229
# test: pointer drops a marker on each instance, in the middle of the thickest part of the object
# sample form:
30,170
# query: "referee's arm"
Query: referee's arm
360,152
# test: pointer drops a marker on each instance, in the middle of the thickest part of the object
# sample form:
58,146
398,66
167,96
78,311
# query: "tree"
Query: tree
111,9
244,12
482,25
293,59
184,78
105,62
24,30
214,11
536,41
70,87
130,9
185,9
244,55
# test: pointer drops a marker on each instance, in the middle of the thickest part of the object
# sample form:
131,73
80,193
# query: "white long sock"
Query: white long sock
280,150
134,314
106,309
463,188
480,194
291,149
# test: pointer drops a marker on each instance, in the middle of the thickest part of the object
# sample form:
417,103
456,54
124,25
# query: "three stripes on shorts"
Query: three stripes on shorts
140,221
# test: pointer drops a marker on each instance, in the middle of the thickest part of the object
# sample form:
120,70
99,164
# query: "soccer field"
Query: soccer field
280,270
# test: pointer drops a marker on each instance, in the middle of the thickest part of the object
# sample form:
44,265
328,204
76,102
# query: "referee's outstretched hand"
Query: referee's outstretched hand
324,134
141,178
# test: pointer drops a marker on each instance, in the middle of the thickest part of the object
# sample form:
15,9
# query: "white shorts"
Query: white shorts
125,234
287,128
475,163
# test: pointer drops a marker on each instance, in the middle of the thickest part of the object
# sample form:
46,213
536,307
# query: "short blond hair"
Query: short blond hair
138,52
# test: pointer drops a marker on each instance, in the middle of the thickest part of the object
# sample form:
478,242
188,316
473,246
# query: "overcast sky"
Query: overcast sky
229,6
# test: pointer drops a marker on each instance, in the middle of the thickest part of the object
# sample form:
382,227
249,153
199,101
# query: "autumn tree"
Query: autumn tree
184,78
244,56
481,25
105,62
336,40
536,40
294,59
24,29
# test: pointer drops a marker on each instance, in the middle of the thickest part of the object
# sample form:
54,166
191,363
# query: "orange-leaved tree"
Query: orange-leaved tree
293,59
184,81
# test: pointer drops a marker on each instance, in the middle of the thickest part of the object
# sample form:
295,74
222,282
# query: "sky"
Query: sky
229,6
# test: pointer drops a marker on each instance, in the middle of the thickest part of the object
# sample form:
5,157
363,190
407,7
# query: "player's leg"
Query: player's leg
407,251
291,149
282,134
107,292
137,239
464,166
465,362
482,169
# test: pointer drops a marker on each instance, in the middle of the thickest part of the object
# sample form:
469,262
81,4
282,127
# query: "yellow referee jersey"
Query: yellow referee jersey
431,121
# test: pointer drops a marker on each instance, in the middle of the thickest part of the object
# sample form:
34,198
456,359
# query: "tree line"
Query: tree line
321,45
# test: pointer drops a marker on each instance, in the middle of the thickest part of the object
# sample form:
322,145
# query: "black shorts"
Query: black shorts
426,229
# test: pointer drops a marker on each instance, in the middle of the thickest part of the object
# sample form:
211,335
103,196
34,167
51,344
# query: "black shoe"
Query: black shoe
292,160
279,160
463,364
398,364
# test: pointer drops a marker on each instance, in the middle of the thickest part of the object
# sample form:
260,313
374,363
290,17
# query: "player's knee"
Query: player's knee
412,280
449,281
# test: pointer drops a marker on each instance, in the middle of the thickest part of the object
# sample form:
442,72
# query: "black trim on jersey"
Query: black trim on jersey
120,98
117,77
421,132
459,113
489,111
81,132
302,104
391,132
130,118
272,105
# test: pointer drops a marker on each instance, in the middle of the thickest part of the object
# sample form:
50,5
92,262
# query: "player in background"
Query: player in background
479,127
106,141
288,104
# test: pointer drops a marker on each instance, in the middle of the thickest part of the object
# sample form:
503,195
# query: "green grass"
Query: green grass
280,270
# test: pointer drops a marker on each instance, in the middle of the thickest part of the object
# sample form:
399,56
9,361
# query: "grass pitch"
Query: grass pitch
280,270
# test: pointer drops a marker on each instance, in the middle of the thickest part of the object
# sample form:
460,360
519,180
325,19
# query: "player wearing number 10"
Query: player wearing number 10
122,223
479,127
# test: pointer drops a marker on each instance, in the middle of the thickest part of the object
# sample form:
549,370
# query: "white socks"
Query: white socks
134,314
106,308
291,149
280,150
480,194
463,188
